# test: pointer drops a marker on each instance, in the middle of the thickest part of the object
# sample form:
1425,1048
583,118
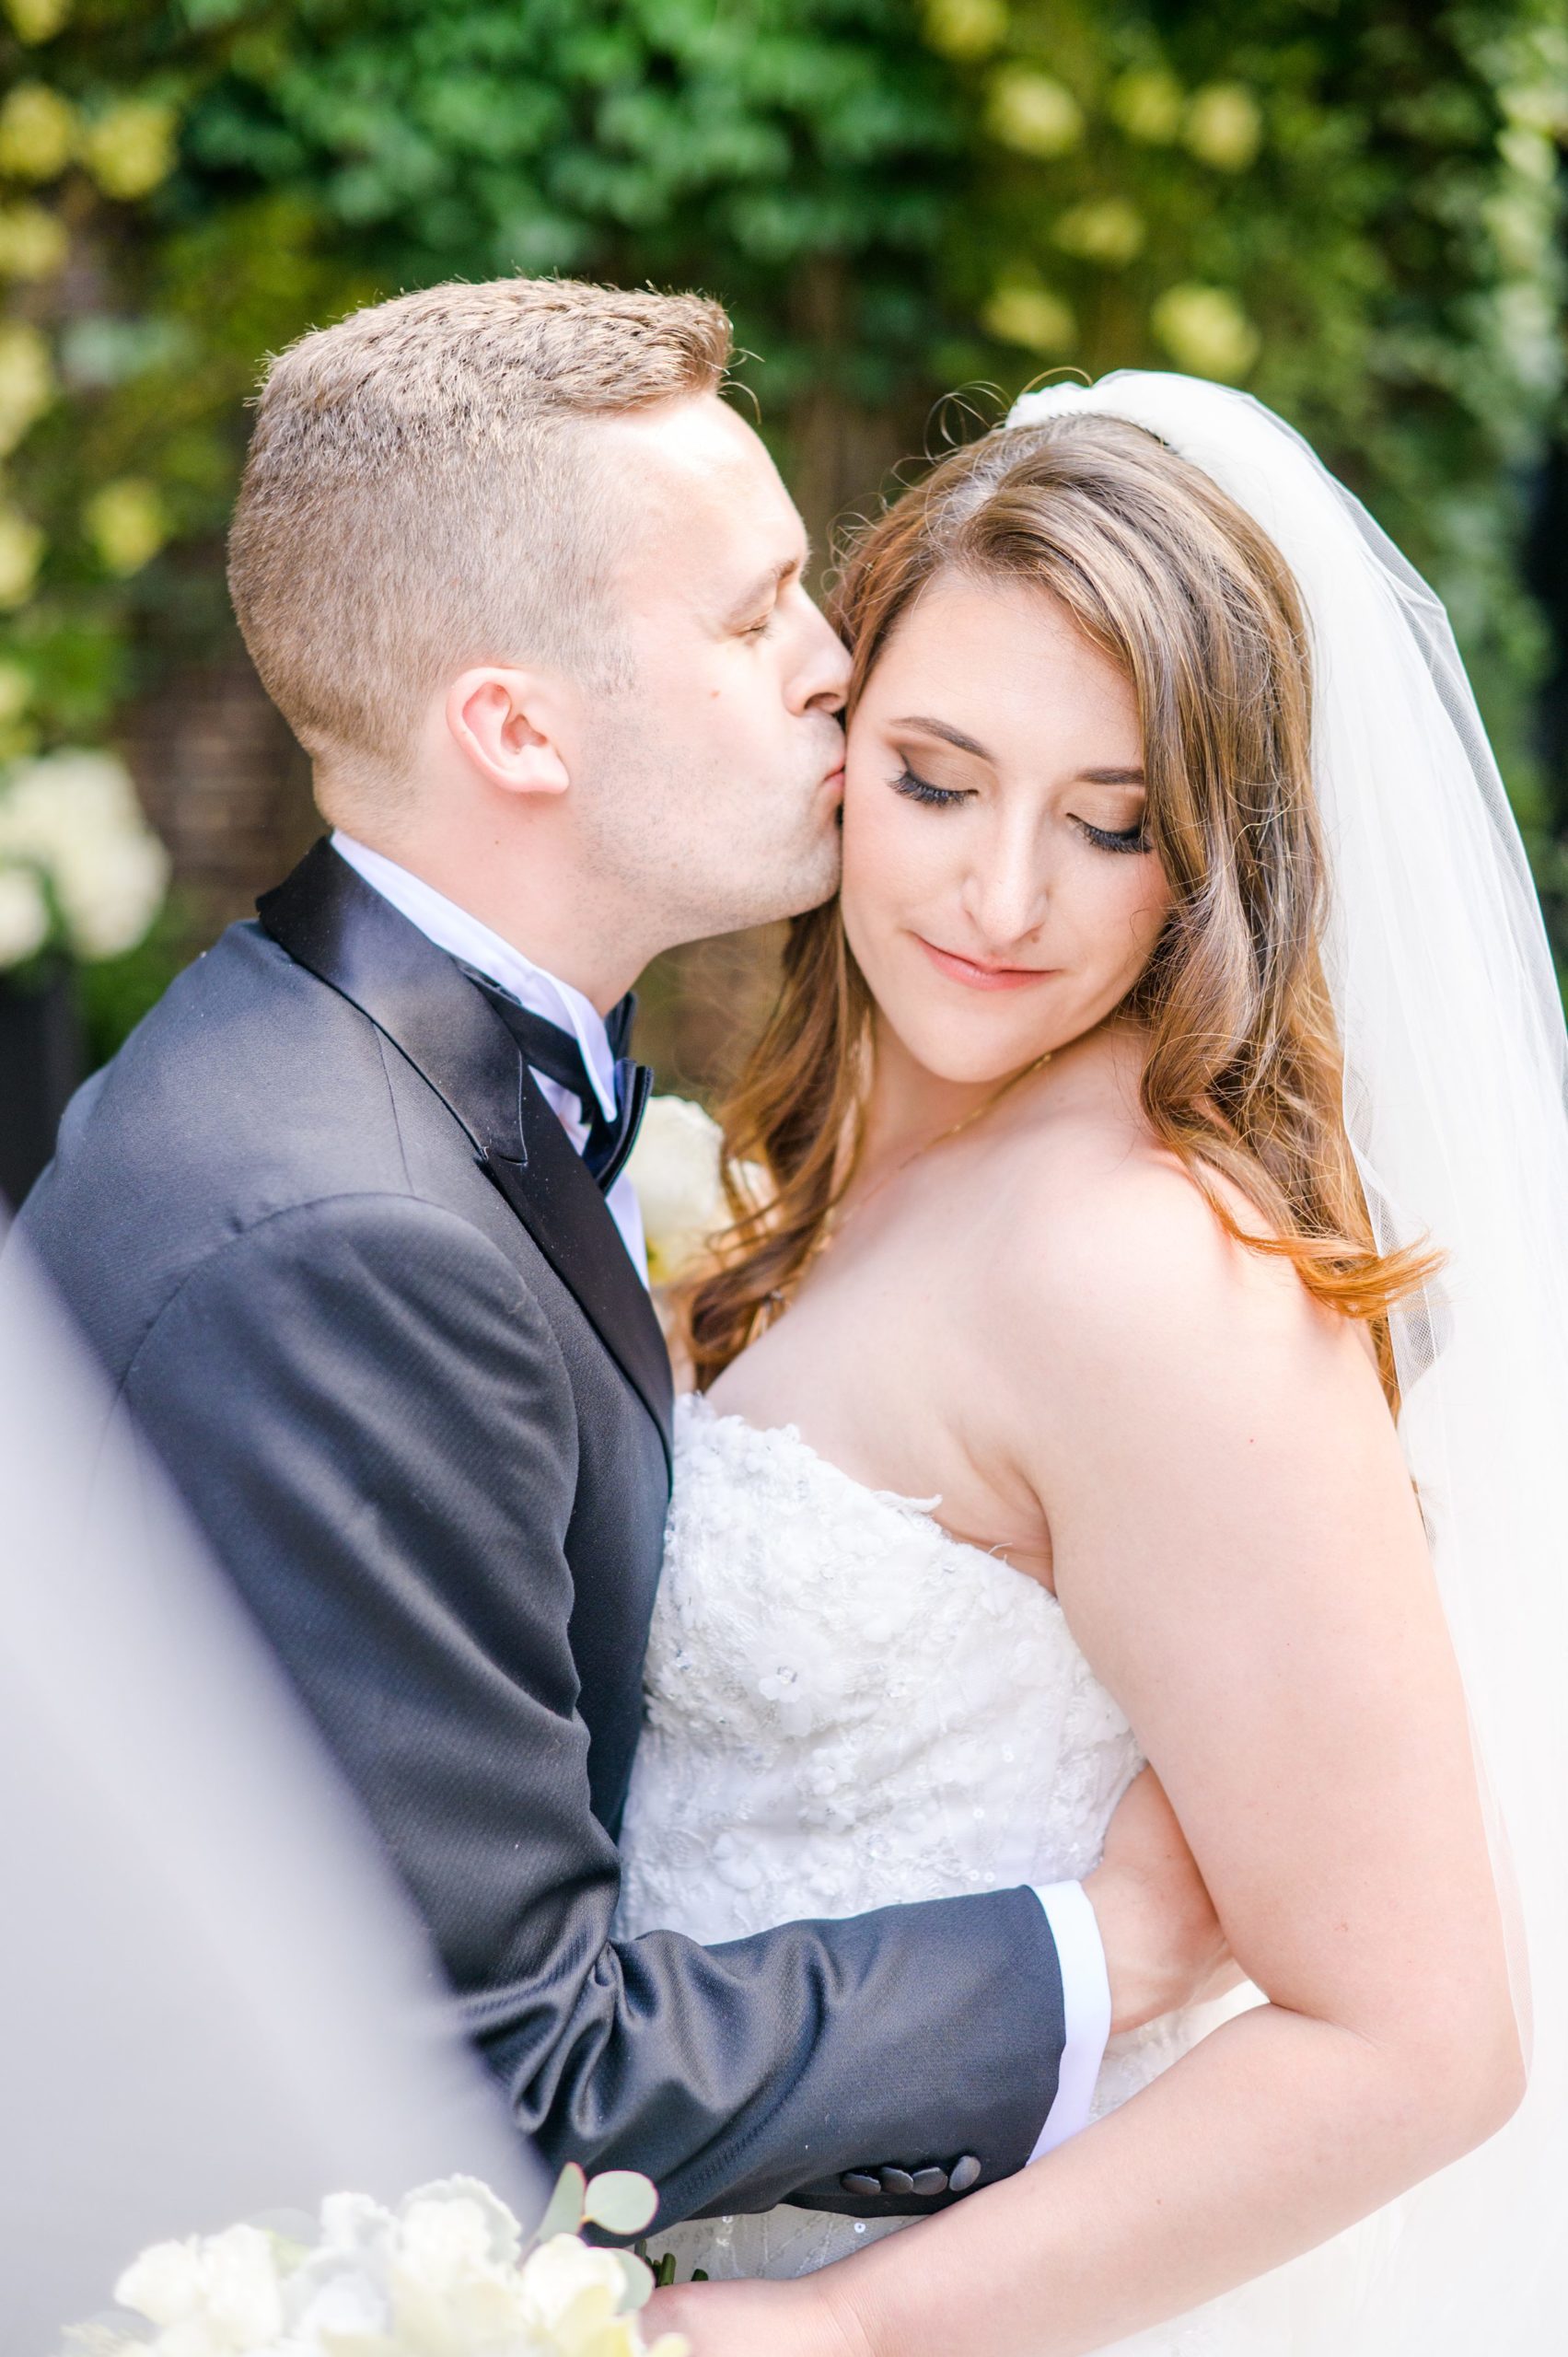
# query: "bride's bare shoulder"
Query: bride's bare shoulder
1113,1251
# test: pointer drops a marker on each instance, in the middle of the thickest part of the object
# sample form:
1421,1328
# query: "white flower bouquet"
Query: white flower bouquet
449,2274
80,869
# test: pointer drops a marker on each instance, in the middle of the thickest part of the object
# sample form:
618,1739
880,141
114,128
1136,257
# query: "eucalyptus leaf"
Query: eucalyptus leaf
564,2212
621,2202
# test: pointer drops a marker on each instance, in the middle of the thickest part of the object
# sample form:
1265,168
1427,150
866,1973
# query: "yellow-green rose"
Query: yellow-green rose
1148,106
1107,230
15,691
27,380
966,28
1020,312
1033,112
21,553
127,523
37,133
1206,331
34,241
36,20
131,149
1224,126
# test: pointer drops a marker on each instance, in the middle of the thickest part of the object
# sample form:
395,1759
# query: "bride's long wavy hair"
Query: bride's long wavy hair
1242,1082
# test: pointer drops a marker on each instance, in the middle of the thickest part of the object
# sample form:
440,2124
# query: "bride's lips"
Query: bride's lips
976,976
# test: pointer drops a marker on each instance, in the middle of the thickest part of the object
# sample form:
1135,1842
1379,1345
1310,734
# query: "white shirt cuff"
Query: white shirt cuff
1086,2006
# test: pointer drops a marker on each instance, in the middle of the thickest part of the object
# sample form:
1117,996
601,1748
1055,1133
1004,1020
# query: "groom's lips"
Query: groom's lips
977,975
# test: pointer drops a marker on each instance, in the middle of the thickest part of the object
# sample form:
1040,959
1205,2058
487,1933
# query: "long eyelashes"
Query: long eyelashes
1130,838
919,789
940,797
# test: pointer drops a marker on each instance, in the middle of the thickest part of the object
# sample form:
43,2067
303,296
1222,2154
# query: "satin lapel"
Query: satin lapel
550,1187
330,922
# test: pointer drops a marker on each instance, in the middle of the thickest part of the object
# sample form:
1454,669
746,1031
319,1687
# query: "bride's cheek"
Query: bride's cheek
1140,919
878,886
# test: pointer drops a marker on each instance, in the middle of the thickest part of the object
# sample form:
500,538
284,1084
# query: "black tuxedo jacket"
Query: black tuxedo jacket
350,1278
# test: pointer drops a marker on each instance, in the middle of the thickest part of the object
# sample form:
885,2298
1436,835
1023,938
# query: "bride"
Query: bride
1150,1347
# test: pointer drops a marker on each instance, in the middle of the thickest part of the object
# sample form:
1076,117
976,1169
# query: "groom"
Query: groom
349,1223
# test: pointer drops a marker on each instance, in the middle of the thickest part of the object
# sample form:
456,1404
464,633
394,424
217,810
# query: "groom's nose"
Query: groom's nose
823,678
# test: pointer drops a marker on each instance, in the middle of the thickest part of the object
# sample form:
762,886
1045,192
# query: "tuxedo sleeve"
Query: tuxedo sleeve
368,1414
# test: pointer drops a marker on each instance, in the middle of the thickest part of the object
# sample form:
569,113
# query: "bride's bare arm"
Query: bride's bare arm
1240,1555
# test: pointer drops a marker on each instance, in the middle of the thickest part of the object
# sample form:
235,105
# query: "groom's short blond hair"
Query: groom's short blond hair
421,495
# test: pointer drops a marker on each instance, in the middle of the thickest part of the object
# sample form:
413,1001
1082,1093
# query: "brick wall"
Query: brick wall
225,786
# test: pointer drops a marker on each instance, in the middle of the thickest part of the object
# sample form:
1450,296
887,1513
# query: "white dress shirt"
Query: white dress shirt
1085,1988
462,936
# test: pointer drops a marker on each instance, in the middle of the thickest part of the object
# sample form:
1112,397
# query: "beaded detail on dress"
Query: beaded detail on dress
848,1708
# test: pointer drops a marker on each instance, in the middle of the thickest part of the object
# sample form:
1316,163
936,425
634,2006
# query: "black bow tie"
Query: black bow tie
556,1054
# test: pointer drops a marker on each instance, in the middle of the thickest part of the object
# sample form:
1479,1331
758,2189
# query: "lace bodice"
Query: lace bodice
848,1708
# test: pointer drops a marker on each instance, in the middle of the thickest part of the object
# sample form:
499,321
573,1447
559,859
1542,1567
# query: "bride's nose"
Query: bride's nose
1006,892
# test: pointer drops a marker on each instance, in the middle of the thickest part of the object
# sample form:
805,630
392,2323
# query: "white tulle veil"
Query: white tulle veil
1456,1105
216,2003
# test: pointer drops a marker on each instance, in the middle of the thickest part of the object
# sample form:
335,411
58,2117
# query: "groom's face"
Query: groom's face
714,778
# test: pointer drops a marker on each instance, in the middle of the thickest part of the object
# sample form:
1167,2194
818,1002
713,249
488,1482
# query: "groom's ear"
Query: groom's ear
510,725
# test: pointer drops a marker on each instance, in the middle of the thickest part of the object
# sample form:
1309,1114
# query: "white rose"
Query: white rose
675,1169
109,893
163,2283
460,2213
442,2277
572,2292
49,801
347,2310
75,816
341,2284
24,916
354,2226
470,2316
218,2297
447,2291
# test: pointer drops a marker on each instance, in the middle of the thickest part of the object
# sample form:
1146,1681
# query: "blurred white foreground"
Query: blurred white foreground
213,2002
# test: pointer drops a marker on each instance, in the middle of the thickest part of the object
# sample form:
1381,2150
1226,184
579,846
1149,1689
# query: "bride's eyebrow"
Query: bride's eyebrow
965,744
949,734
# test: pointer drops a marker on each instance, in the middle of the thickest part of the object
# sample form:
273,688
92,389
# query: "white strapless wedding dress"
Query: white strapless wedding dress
847,1708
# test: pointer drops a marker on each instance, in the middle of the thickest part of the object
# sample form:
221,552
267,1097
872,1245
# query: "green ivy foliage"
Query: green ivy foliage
1353,208
1349,205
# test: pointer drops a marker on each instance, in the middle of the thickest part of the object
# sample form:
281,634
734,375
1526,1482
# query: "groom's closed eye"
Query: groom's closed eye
751,615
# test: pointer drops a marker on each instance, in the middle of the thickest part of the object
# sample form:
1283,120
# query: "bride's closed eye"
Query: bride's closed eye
1134,838
919,789
915,788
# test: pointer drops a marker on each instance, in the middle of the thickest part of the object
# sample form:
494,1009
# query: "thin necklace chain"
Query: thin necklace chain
835,1223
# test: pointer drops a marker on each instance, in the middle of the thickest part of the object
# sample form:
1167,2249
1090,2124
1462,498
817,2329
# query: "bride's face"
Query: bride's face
998,892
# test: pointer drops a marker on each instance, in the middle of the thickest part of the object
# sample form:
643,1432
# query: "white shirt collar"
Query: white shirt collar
462,936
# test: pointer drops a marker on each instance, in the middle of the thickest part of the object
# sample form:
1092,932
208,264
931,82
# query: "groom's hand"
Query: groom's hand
1164,1947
